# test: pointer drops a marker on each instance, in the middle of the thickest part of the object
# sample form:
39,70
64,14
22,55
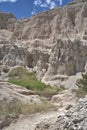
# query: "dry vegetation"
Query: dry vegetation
20,76
17,107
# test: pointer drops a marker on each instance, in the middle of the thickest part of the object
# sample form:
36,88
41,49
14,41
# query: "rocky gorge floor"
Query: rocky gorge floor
71,116
9,93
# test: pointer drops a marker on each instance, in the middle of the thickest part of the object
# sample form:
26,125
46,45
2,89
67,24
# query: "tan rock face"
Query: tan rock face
63,22
47,43
67,58
11,55
53,45
6,20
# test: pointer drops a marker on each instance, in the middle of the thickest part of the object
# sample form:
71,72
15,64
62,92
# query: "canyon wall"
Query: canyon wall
53,44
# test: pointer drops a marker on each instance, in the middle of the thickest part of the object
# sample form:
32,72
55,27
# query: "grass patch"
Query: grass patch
20,76
18,107
80,93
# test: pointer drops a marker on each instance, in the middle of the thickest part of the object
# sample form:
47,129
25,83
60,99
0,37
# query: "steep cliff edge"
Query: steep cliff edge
53,44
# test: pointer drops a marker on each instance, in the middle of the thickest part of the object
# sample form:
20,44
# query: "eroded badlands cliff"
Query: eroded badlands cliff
52,44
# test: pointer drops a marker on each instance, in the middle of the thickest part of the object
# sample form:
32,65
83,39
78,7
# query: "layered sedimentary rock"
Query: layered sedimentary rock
53,44
6,20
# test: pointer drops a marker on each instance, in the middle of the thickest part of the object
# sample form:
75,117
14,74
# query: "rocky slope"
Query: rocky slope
13,101
52,44
10,93
73,119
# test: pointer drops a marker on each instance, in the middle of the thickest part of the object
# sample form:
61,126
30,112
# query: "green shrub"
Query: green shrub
20,76
82,86
5,70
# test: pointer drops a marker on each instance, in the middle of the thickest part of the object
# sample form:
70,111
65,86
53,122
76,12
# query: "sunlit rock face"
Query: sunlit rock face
6,20
51,44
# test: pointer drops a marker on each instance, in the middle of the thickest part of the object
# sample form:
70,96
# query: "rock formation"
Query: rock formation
12,93
12,100
52,43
